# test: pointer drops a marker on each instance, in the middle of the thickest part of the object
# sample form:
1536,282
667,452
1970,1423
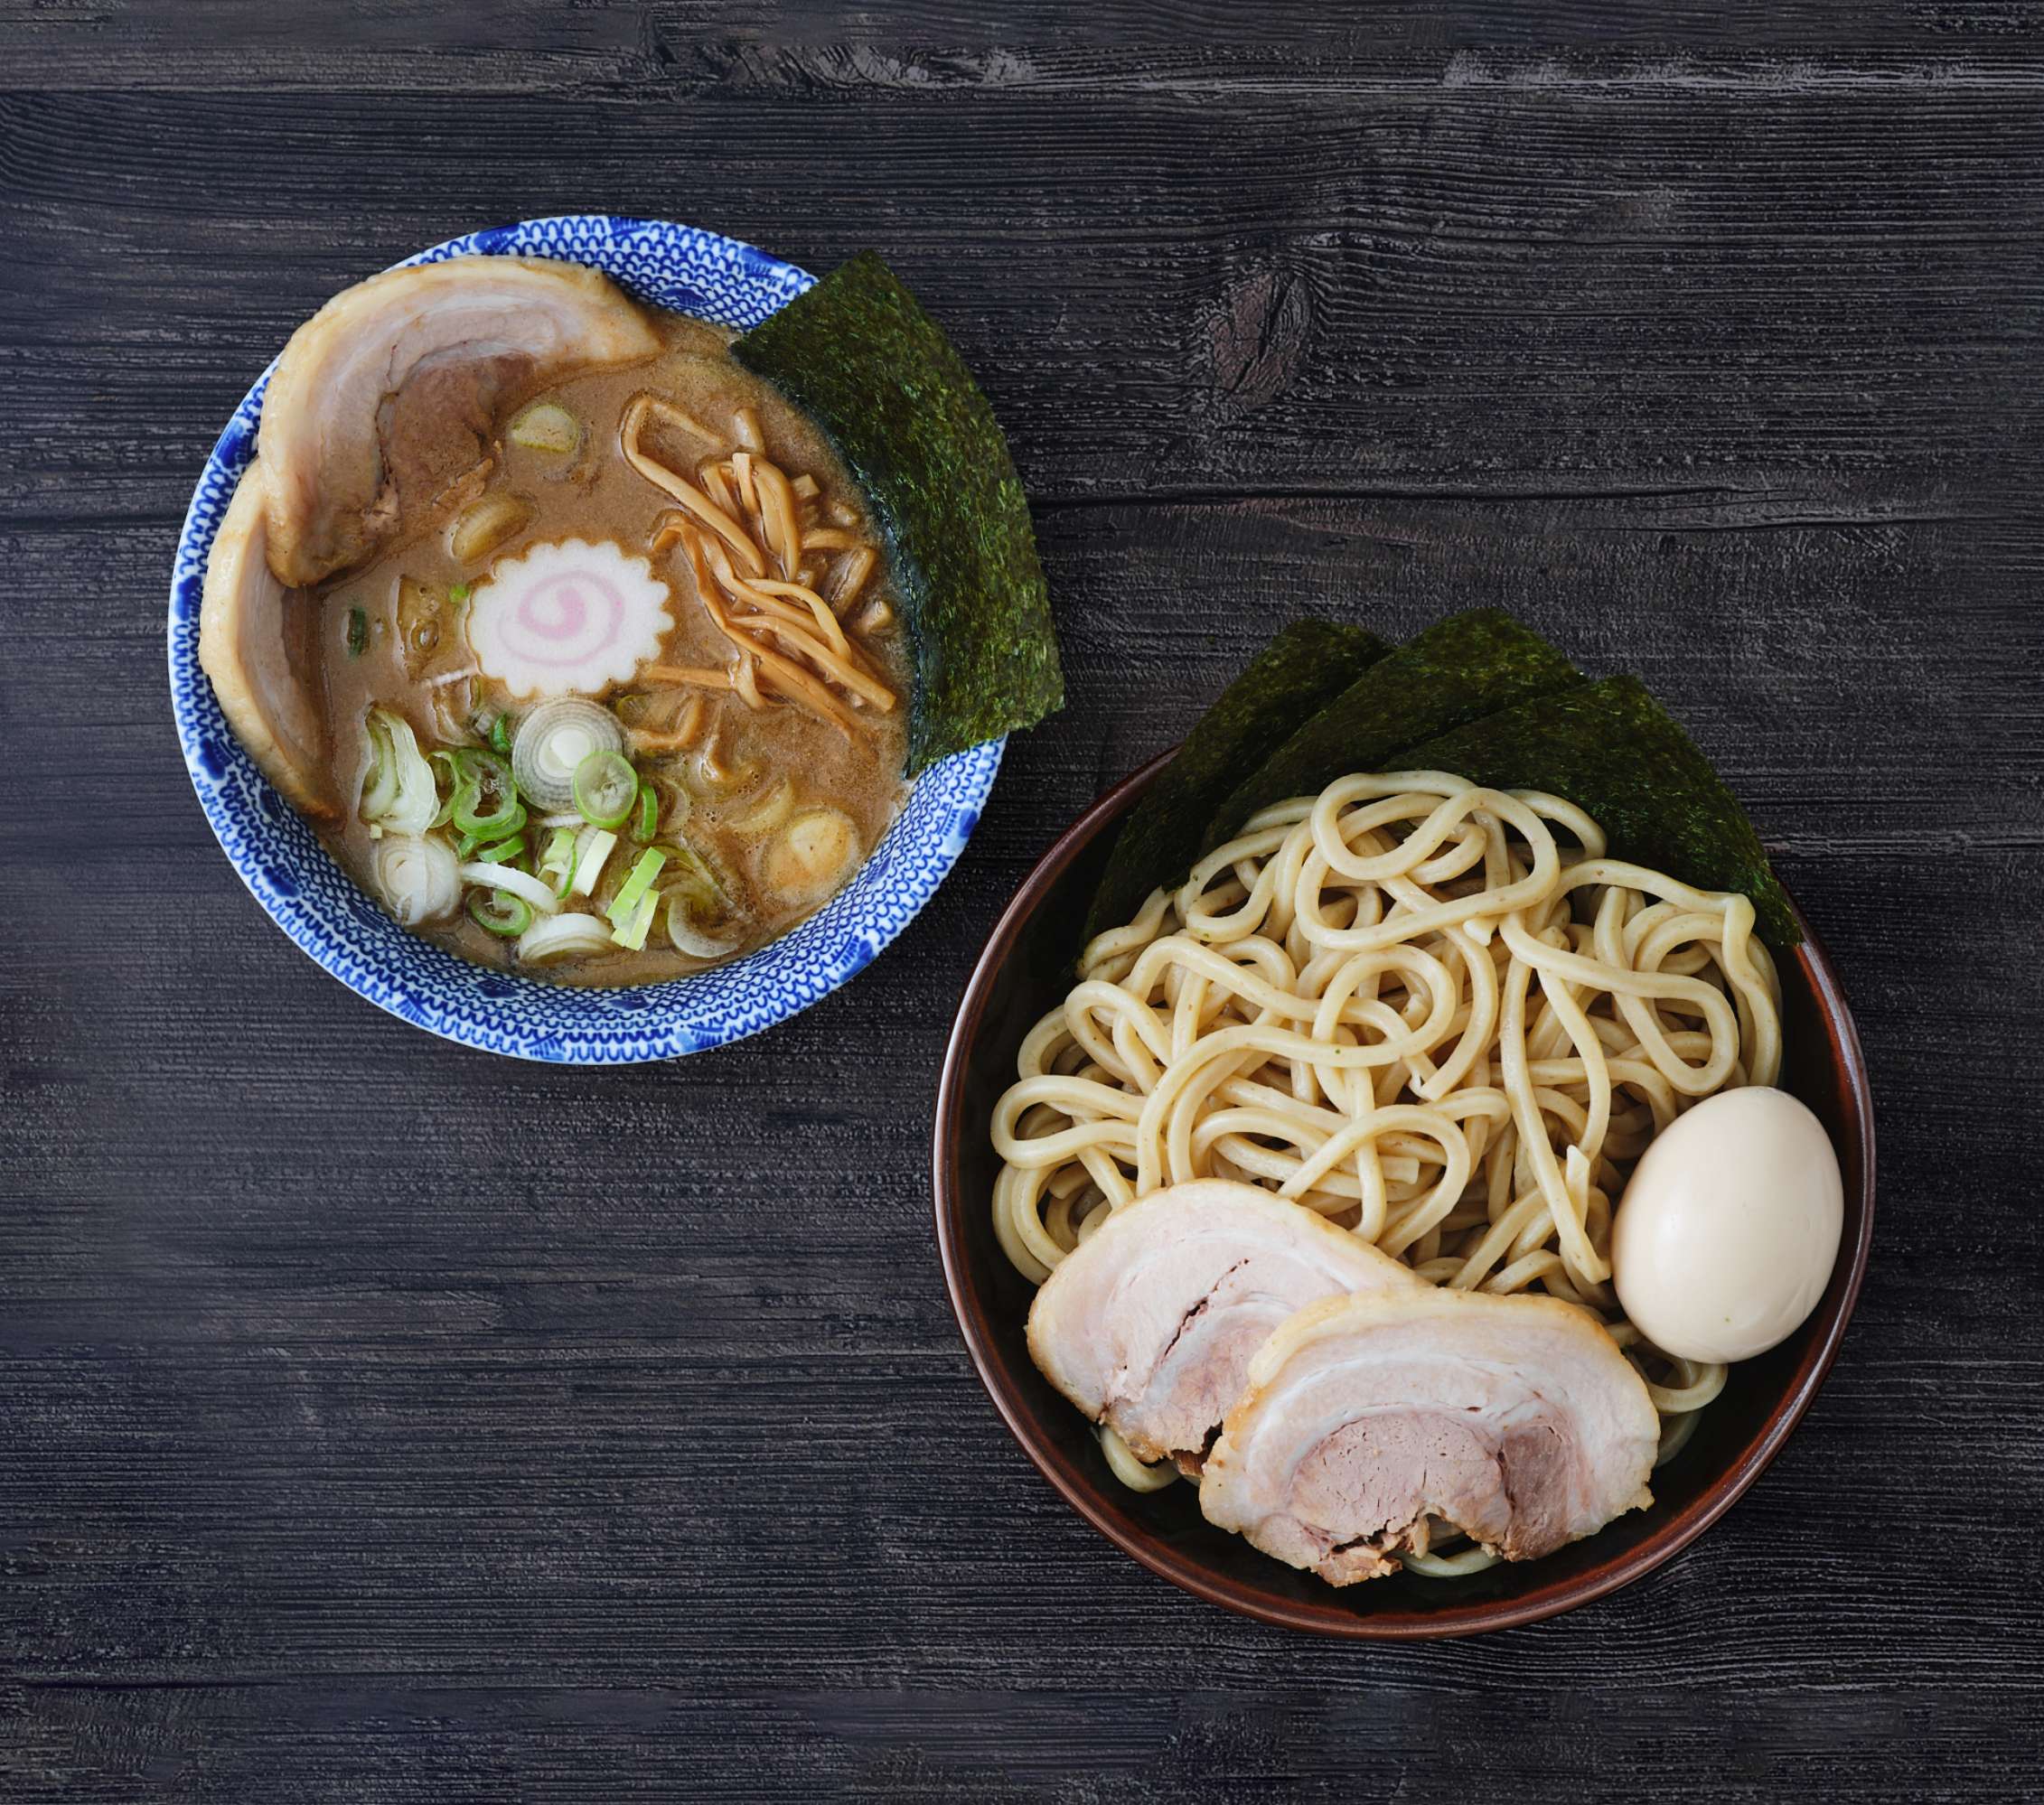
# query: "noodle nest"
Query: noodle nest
1435,1012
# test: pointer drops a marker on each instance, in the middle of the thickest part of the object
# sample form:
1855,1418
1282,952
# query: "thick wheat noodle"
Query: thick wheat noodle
677,415
689,726
697,675
827,623
782,533
714,477
793,626
711,566
838,670
681,489
1387,1003
798,685
745,675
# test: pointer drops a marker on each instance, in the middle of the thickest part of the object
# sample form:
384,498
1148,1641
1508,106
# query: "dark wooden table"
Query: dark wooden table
380,1421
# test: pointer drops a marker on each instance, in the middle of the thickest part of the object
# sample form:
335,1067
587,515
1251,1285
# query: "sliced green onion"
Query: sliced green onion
698,908
487,827
552,741
503,851
380,787
458,593
399,793
710,778
561,936
557,864
593,847
420,878
624,905
688,938
485,774
500,735
546,427
509,877
810,856
767,813
358,631
631,932
605,787
473,765
502,912
693,880
649,812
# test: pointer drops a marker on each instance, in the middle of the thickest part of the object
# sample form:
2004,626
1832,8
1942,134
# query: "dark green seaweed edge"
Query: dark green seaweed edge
1457,670
860,357
1614,750
1308,663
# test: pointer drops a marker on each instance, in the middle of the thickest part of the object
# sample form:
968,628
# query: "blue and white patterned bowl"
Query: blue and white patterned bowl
309,896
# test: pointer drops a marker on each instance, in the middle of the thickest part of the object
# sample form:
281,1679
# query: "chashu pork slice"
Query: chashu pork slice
1148,1326
1516,1418
389,395
255,645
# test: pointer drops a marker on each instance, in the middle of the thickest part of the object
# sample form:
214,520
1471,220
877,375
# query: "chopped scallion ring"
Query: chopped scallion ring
500,735
631,932
594,849
553,741
557,864
399,793
624,907
486,799
503,913
546,427
503,851
649,812
605,787
519,883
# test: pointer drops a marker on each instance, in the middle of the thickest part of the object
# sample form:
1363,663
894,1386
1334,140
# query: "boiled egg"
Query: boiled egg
1730,1227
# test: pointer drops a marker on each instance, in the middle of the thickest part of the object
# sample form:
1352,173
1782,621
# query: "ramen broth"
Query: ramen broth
730,773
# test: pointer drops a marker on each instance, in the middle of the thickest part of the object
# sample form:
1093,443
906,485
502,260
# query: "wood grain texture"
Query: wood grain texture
381,1421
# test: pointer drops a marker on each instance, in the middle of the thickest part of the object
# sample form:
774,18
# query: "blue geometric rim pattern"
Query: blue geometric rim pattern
293,876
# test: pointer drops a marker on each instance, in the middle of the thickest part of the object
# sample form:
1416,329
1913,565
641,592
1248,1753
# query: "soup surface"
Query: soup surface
747,655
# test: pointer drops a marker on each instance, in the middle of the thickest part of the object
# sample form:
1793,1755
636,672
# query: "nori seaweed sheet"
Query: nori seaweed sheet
1457,670
860,357
1295,674
1611,749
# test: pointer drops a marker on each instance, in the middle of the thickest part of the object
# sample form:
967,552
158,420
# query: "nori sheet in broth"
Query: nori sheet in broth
861,358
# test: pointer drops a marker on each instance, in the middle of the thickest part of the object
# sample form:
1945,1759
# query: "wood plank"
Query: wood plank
386,1421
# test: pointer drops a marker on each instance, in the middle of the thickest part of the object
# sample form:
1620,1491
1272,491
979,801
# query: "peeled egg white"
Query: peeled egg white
1730,1227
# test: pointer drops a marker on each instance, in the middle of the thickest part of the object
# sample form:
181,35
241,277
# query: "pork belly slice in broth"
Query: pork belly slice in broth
1148,1326
387,396
255,647
1366,1418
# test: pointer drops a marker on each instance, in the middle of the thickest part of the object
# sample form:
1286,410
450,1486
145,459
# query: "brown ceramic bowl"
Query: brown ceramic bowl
1022,973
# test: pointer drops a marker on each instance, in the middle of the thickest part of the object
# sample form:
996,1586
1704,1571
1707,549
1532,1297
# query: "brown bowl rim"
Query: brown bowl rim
1082,1493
